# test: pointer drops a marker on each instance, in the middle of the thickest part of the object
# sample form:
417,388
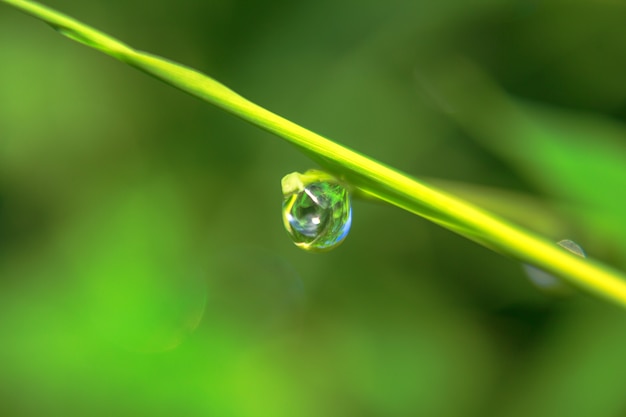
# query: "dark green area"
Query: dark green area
144,268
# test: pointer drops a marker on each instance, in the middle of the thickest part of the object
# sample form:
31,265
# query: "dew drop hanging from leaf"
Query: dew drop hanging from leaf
316,210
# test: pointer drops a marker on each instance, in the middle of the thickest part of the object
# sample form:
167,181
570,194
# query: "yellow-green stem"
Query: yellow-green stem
367,175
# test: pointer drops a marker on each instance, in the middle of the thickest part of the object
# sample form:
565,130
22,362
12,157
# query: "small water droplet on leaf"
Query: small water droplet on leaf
573,247
316,210
549,282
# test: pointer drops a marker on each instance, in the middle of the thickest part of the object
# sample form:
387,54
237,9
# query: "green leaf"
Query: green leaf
367,176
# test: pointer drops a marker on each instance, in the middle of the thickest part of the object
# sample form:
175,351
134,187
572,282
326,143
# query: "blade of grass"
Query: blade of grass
368,176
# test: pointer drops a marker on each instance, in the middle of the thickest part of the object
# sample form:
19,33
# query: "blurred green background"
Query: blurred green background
144,269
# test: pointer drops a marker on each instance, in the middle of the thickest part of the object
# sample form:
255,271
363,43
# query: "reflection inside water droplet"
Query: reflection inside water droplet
316,215
549,282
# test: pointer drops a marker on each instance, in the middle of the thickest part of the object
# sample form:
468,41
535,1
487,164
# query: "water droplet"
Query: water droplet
573,247
549,282
316,210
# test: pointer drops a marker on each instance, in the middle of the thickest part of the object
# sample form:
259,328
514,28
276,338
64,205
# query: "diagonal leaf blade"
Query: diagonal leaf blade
366,175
